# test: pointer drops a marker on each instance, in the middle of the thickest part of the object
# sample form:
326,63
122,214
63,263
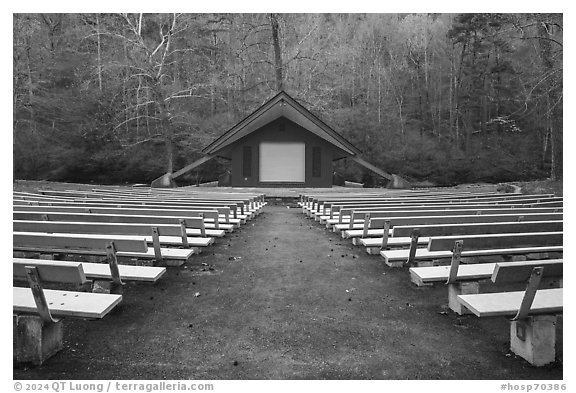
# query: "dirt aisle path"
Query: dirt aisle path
286,299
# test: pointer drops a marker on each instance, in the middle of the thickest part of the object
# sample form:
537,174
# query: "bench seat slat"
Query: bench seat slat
66,303
424,254
546,301
431,274
479,271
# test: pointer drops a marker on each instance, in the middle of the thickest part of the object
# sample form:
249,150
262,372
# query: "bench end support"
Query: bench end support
35,340
534,339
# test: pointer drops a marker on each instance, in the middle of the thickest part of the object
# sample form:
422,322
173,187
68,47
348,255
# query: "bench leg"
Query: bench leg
534,339
34,340
461,288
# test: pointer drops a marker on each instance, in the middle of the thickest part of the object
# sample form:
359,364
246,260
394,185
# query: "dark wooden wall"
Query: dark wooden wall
282,130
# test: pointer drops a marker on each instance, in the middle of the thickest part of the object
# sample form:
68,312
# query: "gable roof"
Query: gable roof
281,105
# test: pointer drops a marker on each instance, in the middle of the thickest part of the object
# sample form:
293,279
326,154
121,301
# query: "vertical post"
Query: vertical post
341,215
413,245
529,294
351,225
216,221
455,263
183,233
156,244
366,225
113,263
38,293
202,226
385,235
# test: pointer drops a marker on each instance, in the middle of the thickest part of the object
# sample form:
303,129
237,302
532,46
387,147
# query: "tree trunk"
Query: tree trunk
552,101
99,53
277,52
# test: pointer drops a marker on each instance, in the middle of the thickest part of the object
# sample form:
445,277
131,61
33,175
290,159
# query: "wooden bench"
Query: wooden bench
38,312
243,202
194,226
209,215
479,228
374,227
161,234
400,234
90,198
362,217
129,247
317,204
444,216
101,271
497,240
374,245
477,247
334,210
466,279
534,312
429,275
313,201
345,214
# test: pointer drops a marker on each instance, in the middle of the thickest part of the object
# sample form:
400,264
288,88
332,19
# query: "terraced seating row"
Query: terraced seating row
462,240
315,204
97,231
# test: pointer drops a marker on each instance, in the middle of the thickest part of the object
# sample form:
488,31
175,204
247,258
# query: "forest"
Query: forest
438,99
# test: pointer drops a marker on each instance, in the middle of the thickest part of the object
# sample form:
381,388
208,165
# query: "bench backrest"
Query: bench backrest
56,271
447,211
123,211
511,272
528,202
93,243
424,198
191,222
94,228
496,241
478,228
377,223
149,197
